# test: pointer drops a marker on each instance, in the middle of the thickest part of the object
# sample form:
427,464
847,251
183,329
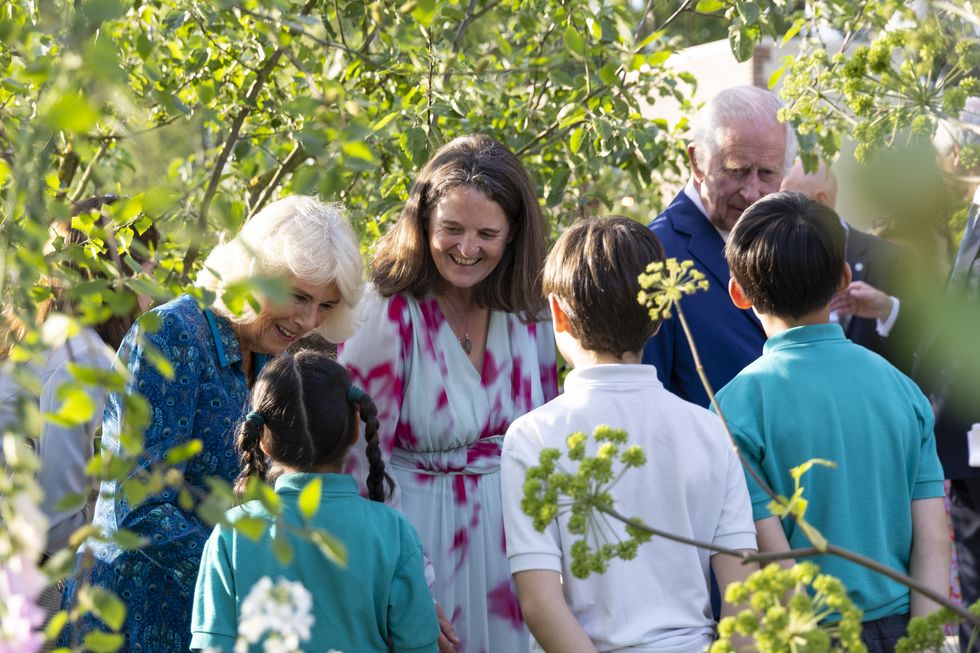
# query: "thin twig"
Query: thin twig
643,19
293,161
852,30
714,404
340,24
684,6
87,174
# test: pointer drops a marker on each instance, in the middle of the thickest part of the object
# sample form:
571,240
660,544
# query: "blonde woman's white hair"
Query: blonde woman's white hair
297,235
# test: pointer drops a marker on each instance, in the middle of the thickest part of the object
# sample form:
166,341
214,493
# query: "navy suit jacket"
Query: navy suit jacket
727,337
877,262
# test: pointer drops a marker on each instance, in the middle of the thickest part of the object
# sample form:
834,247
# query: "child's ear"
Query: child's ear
559,319
738,295
262,445
845,277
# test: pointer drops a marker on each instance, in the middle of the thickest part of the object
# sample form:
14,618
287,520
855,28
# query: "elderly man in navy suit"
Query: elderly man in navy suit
869,309
739,153
947,364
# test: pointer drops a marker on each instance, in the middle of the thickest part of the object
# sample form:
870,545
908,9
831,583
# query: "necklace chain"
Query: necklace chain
465,342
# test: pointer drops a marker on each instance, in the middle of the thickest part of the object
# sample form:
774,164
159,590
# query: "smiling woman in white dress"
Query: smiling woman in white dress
452,348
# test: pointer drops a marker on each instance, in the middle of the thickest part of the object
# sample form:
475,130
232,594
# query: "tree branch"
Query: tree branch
219,165
293,161
805,552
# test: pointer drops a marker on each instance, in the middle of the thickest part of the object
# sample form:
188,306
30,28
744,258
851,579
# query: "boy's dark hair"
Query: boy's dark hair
307,421
593,270
787,254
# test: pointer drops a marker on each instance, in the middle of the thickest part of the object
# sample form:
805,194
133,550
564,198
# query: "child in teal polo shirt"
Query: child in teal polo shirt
815,394
304,419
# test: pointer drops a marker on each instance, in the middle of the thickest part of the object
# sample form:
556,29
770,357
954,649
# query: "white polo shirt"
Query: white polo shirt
692,485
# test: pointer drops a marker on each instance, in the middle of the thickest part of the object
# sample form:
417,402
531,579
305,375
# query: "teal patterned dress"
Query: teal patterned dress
203,400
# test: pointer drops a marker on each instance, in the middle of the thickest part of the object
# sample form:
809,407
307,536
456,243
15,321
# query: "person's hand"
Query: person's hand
448,640
862,300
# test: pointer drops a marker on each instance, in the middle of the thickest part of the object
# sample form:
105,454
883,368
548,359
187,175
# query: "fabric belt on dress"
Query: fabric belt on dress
472,458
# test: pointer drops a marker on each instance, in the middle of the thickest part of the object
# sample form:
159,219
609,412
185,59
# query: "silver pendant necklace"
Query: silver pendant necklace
465,342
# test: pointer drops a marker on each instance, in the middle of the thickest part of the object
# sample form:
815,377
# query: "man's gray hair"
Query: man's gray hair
299,236
734,107
949,134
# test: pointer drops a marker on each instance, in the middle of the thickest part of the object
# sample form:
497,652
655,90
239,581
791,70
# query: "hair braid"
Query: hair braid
379,484
253,458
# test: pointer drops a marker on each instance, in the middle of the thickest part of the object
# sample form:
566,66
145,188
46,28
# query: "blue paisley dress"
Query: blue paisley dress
203,400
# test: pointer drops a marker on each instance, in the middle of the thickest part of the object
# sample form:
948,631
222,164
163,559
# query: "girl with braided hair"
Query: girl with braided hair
304,418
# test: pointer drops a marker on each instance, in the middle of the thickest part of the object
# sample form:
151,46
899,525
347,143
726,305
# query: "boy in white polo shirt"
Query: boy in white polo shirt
692,484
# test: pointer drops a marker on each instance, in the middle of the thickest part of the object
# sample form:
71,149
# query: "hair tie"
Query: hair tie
255,418
355,394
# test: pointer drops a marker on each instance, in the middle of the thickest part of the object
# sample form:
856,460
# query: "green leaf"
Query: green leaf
251,527
134,490
309,498
127,540
184,452
708,6
358,150
776,76
72,112
99,642
108,608
800,470
658,58
559,180
575,139
608,74
383,122
157,359
56,625
77,407
415,145
573,40
793,30
71,501
281,549
424,11
330,546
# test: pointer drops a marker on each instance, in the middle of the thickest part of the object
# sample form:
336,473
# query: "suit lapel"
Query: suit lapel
704,245
856,253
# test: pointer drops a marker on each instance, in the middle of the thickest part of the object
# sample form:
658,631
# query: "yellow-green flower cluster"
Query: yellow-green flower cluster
582,492
665,282
786,610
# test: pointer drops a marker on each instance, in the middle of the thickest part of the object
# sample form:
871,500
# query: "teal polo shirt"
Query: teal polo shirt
379,603
815,394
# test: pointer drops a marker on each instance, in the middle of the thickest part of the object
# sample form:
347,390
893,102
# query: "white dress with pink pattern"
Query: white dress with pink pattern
442,429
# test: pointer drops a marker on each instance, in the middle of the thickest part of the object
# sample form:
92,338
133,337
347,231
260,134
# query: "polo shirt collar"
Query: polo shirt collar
630,374
804,335
332,483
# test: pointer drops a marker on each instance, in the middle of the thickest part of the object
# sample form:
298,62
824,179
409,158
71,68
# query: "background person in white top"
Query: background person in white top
692,484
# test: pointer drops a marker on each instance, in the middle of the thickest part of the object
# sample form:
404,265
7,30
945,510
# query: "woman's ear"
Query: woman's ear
262,441
738,295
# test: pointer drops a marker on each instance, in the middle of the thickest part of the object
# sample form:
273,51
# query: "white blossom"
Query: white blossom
277,614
